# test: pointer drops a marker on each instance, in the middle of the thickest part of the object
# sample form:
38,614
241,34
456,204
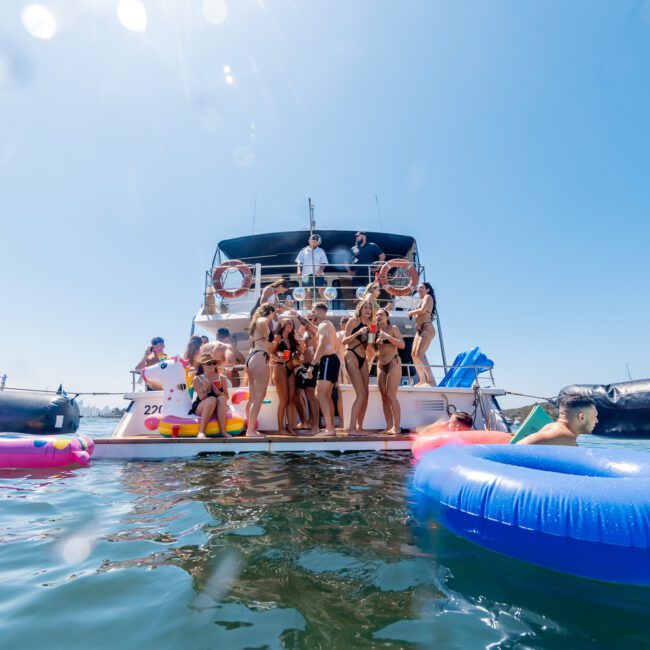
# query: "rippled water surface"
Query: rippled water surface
261,551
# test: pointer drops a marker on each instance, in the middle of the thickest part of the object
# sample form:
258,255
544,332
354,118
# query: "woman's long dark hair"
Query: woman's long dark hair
429,290
192,349
293,343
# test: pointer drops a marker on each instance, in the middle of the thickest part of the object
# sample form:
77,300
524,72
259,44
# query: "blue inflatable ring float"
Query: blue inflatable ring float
581,511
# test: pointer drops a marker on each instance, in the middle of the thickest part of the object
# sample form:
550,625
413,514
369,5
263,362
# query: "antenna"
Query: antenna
254,213
627,367
312,220
381,225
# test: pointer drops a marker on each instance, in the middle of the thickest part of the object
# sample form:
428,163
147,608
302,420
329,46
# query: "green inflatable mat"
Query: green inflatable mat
537,419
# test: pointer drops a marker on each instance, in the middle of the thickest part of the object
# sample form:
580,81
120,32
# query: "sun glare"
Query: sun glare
133,15
215,11
39,22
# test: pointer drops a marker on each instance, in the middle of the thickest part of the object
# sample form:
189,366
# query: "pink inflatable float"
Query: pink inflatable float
34,453
439,435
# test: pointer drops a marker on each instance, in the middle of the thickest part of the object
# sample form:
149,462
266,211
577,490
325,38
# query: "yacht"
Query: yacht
232,285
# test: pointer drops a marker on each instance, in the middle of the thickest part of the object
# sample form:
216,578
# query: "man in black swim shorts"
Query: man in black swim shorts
327,362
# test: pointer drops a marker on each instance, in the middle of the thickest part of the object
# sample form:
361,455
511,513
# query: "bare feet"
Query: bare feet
226,435
253,434
327,433
201,435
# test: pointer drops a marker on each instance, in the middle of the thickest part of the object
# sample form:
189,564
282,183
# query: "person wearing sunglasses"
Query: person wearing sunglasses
152,355
211,390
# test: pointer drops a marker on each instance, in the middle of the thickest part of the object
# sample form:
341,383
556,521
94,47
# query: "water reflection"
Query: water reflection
493,598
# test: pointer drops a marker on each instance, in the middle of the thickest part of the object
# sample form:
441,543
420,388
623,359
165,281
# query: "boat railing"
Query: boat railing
342,286
438,371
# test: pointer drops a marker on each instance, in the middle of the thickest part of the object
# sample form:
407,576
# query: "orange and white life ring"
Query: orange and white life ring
399,263
232,265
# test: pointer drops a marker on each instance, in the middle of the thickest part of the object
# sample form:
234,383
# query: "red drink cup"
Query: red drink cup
217,384
286,355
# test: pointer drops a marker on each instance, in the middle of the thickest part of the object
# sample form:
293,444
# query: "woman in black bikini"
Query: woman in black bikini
284,354
211,393
257,364
389,369
355,341
424,333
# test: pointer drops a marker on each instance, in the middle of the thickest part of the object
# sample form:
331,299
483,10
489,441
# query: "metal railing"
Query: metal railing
411,370
344,283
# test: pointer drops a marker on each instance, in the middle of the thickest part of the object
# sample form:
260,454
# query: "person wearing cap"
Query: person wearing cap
366,254
211,390
152,355
311,263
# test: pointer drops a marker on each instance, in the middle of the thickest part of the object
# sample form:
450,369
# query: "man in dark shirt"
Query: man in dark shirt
365,253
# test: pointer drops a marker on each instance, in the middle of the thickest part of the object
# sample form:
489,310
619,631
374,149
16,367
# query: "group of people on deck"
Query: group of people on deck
305,357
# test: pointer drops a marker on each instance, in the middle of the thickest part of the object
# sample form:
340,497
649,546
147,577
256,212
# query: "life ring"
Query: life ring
237,265
399,263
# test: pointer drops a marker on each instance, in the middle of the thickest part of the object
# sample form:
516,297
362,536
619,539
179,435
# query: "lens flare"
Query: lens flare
133,15
214,11
39,22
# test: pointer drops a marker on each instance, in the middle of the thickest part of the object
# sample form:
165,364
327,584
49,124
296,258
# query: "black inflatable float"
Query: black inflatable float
623,408
38,413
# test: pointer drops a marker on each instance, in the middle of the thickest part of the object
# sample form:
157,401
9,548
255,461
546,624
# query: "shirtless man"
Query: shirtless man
305,381
578,415
327,362
151,357
219,351
233,357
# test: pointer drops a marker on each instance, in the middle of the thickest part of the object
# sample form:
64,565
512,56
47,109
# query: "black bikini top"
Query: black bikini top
364,337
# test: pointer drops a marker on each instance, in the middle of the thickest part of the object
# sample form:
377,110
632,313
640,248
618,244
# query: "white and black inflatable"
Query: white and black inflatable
623,408
38,413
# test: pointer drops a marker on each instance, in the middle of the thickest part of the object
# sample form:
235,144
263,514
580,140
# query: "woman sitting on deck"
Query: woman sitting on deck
257,364
284,356
424,333
356,342
211,392
389,369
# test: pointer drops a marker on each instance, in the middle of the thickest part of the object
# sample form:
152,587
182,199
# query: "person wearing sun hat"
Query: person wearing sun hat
211,390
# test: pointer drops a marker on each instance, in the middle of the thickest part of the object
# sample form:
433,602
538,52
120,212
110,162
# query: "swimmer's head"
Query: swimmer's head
460,421
580,412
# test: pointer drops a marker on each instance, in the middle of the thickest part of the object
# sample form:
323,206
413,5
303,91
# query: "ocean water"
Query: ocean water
261,551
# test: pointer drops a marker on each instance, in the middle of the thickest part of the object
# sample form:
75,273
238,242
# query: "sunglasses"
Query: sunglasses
209,363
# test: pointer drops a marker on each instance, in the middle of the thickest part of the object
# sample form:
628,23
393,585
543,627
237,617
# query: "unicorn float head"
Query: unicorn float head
171,373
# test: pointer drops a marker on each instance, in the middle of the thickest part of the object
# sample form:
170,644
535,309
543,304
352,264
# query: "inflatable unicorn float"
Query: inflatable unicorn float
175,376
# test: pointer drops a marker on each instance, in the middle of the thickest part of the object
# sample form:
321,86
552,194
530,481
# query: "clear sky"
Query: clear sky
512,139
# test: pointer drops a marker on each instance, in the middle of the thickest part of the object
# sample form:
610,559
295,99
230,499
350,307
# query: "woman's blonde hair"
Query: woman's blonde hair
360,305
370,288
263,310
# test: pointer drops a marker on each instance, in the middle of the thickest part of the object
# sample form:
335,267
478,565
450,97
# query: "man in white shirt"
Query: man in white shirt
311,263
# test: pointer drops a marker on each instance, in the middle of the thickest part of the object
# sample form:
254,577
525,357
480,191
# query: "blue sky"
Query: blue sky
511,139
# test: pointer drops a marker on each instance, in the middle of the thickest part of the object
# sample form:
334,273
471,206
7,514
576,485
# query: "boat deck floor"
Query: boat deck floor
156,447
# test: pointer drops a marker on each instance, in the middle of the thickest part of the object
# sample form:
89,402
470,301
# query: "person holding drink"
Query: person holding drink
356,339
285,351
211,390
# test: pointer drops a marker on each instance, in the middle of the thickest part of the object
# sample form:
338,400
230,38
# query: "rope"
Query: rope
56,392
546,399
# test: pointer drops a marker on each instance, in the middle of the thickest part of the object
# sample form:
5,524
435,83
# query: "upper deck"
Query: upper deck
272,256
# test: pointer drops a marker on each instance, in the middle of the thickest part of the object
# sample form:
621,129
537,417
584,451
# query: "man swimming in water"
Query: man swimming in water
578,415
